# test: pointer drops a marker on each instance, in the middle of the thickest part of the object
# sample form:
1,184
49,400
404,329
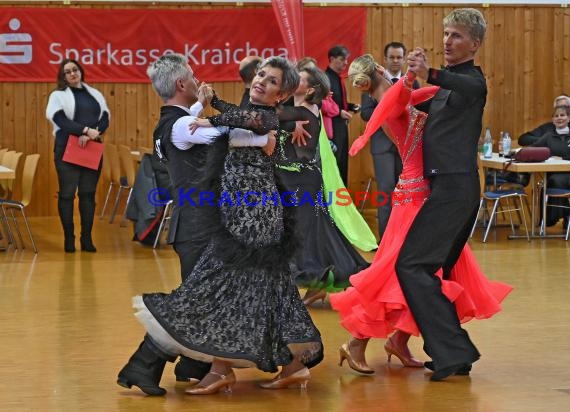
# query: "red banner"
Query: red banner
117,45
289,15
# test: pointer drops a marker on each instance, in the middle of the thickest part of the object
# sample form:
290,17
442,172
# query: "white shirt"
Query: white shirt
183,139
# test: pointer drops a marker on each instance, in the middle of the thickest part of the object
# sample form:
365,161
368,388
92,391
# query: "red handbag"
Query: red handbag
531,154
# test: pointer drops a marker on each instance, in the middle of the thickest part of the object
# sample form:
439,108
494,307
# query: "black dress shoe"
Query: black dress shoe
191,370
462,369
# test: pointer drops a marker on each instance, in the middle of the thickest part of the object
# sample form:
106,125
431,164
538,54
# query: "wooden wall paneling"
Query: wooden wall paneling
564,76
529,117
561,45
143,125
542,62
131,114
8,111
517,42
44,146
506,105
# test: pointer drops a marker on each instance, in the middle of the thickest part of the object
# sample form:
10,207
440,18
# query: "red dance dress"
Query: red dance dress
375,306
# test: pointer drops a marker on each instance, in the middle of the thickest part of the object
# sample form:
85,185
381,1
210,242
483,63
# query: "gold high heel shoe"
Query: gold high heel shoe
360,367
301,377
312,295
407,360
226,381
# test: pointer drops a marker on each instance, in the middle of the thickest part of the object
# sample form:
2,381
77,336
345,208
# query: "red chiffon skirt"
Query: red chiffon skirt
375,306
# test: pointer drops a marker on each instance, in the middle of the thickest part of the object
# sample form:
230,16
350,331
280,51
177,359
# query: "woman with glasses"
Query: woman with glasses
75,108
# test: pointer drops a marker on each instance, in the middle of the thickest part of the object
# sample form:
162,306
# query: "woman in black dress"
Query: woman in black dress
239,307
325,259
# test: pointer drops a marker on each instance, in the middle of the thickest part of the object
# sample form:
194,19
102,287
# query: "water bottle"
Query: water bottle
506,143
488,144
500,144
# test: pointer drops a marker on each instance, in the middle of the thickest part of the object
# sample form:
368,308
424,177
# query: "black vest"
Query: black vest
195,176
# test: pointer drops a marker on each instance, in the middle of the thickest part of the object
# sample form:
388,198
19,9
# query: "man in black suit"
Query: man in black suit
441,228
387,162
338,59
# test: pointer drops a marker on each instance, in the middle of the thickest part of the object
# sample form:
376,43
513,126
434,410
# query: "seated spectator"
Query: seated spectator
532,136
558,141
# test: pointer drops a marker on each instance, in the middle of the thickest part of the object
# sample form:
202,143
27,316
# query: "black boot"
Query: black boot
144,369
87,212
65,209
191,370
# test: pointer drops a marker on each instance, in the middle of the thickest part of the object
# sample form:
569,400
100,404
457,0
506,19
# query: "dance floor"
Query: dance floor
68,327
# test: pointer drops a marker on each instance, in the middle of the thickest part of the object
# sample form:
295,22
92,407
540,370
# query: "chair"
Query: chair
27,183
128,167
560,194
118,179
164,221
106,171
11,160
497,196
2,151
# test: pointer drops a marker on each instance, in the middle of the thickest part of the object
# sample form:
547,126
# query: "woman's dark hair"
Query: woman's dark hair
319,81
290,80
61,82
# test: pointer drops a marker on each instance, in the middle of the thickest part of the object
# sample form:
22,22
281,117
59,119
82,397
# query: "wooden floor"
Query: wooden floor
67,328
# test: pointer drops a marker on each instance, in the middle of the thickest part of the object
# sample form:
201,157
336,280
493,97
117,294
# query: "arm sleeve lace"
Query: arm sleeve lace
259,121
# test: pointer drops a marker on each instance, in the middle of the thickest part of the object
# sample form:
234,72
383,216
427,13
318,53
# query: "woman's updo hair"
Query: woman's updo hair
319,81
361,71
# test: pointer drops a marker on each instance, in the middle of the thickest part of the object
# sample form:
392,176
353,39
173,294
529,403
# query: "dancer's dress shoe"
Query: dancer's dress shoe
312,295
297,379
144,370
223,381
360,367
464,371
461,369
407,359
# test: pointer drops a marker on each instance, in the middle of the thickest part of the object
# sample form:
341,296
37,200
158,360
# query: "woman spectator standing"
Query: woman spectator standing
75,108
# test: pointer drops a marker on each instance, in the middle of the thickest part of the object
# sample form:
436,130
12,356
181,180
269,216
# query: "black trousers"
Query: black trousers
72,179
435,240
387,169
340,139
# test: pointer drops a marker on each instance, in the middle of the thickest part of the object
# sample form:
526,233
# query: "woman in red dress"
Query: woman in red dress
374,306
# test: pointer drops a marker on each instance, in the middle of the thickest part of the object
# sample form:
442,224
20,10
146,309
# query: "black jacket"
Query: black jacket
534,135
559,144
454,119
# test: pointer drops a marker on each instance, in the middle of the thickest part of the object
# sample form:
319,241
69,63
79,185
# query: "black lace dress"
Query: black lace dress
325,259
240,303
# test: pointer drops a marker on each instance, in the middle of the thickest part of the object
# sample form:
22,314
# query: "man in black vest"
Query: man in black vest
441,228
194,160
